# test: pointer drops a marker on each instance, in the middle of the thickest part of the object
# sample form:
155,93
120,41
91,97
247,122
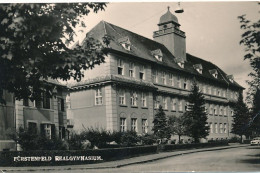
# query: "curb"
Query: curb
82,167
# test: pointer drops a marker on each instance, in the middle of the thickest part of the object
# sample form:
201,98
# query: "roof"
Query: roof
168,17
142,47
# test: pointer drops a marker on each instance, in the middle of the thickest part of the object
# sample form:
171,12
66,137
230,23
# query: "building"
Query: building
139,74
47,117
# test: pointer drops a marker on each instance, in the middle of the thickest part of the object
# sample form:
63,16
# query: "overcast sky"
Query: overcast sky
212,28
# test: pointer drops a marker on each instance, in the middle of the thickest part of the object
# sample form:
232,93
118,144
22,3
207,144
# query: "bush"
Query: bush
148,139
129,138
234,140
33,141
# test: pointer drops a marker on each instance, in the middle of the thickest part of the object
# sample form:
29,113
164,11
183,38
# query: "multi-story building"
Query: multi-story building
139,74
46,117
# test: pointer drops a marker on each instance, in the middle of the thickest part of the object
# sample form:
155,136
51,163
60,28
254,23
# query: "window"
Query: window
219,93
185,85
156,103
214,91
215,75
134,124
141,72
32,127
220,110
122,124
211,127
174,104
211,109
131,69
165,106
62,132
215,111
220,128
133,99
61,104
163,78
143,99
47,130
122,97
144,126
157,54
26,102
120,66
225,128
98,97
155,76
180,106
216,127
209,89
46,101
225,111
179,81
171,79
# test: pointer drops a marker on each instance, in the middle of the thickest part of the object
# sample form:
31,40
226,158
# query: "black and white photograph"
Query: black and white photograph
135,86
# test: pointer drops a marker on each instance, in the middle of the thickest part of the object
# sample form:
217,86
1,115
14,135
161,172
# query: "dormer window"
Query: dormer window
198,67
214,73
180,62
157,54
125,43
230,78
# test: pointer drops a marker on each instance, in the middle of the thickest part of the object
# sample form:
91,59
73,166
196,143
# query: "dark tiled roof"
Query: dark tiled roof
142,47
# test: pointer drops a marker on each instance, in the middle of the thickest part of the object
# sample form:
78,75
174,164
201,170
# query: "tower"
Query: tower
170,35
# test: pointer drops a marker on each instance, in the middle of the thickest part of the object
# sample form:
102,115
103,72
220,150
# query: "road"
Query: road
235,159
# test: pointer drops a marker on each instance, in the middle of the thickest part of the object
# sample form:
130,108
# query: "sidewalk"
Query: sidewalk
123,162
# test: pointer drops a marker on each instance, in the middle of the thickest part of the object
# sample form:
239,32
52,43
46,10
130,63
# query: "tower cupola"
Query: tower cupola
170,35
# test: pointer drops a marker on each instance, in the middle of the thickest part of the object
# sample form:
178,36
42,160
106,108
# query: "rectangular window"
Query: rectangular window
209,90
131,69
156,103
185,83
220,110
211,109
32,127
142,73
171,82
174,104
215,111
61,105
26,102
155,76
163,78
120,66
216,127
46,101
134,124
211,127
122,97
143,99
180,106
144,126
122,124
98,97
179,81
225,111
225,128
133,99
47,130
165,106
220,128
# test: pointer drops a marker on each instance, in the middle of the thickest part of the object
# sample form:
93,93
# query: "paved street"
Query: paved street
233,159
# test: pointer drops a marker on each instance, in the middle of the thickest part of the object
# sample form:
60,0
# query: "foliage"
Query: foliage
160,127
255,114
34,41
129,138
240,118
251,41
33,141
148,139
195,119
177,126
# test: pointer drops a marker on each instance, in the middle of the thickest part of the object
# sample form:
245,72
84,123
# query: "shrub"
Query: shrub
148,139
129,138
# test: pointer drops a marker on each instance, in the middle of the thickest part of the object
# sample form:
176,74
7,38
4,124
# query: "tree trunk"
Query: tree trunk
241,139
179,139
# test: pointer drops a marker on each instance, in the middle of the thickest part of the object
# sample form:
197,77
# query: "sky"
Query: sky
212,28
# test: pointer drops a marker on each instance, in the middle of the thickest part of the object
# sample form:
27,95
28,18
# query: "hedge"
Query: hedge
170,147
50,158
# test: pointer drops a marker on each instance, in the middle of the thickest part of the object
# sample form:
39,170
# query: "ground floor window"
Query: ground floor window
144,126
32,127
122,124
48,130
61,132
134,124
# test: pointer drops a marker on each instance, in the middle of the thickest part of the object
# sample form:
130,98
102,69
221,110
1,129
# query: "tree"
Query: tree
255,114
251,41
34,41
240,118
177,126
195,118
160,126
